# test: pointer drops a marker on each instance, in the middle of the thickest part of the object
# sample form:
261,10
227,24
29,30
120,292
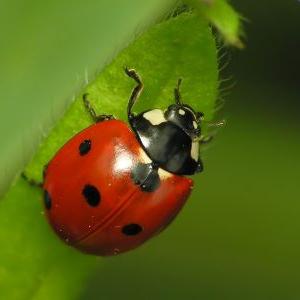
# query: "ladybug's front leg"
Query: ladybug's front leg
146,176
34,182
136,91
31,181
90,109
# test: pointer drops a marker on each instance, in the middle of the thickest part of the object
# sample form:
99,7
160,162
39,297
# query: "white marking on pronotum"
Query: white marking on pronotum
195,150
181,112
155,116
195,124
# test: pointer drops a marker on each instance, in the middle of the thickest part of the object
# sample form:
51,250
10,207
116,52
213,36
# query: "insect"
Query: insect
113,186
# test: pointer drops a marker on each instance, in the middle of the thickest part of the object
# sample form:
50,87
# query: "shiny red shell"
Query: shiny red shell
101,229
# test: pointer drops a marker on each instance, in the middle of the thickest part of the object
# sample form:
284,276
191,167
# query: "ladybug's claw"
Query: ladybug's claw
90,109
133,74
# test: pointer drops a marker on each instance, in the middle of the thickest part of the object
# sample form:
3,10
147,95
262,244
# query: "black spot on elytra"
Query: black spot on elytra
47,200
85,147
132,229
91,195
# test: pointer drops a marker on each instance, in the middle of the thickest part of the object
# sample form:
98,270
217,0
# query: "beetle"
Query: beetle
115,185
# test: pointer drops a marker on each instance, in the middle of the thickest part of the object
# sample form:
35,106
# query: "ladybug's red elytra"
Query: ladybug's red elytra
112,186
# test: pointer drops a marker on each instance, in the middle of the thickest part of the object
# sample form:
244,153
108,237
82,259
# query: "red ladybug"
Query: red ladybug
113,186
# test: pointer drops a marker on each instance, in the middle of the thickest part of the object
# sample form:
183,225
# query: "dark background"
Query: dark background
238,237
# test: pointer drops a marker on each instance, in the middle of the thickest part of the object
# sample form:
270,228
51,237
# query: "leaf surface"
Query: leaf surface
34,263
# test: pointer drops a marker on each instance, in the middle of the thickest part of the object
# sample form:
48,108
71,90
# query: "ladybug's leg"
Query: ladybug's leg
31,181
90,109
177,92
205,139
136,91
146,176
45,171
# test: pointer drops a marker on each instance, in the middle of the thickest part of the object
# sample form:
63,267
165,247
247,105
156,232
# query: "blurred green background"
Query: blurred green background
238,236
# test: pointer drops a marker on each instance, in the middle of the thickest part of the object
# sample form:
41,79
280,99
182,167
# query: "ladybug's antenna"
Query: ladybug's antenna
177,92
217,124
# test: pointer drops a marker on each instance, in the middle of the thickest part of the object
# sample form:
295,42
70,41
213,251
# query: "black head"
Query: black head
170,137
186,118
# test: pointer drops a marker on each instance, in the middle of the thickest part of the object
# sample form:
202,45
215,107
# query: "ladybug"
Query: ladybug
113,186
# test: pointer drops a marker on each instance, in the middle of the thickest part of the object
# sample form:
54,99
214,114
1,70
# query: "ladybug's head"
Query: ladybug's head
170,137
184,115
186,118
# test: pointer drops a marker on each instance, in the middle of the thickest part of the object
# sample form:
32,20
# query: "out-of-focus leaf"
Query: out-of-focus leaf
223,16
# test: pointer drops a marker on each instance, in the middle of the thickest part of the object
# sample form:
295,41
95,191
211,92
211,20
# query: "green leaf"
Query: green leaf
161,56
31,255
223,17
